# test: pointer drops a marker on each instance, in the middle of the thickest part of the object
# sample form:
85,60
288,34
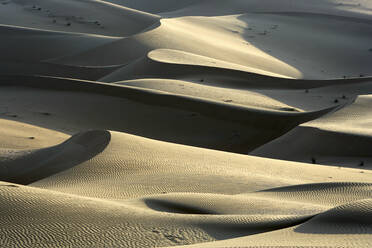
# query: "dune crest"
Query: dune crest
190,123
27,166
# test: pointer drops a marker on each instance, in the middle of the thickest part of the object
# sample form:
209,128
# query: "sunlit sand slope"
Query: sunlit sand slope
193,123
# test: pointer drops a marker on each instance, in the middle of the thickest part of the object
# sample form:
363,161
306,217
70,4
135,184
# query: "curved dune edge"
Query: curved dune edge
21,136
347,225
192,214
268,42
203,106
234,116
247,98
79,16
192,123
33,39
27,166
290,100
185,58
156,219
32,68
352,9
68,92
135,166
307,199
42,214
147,67
335,139
324,146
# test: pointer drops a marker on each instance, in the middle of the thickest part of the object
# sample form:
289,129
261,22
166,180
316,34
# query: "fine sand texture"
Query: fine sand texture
190,123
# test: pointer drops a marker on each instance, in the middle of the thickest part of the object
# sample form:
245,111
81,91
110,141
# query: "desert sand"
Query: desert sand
193,123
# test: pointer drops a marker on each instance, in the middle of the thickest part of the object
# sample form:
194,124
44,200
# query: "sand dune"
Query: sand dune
263,42
18,135
27,166
80,16
210,213
194,123
105,223
183,217
339,139
346,221
54,70
186,114
47,40
182,169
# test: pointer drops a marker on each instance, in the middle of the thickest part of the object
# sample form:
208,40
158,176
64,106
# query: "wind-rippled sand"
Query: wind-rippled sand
194,123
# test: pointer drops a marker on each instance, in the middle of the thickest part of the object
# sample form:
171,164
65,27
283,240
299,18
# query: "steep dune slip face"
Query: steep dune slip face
194,123
80,16
340,139
26,166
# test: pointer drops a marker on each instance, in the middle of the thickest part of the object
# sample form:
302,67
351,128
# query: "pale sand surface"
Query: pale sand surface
162,123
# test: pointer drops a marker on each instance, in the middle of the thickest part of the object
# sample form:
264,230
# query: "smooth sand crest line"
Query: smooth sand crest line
186,115
58,110
347,225
171,174
18,135
328,194
54,70
291,100
265,42
184,58
322,146
203,106
52,44
353,8
148,67
148,167
197,89
154,7
21,30
339,139
133,123
27,166
42,215
81,16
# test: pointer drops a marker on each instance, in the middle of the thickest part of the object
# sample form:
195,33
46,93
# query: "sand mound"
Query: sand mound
197,89
42,216
344,226
18,135
79,16
184,58
342,138
154,6
351,218
162,218
52,44
130,161
193,123
264,42
183,112
359,9
228,77
286,100
54,70
26,166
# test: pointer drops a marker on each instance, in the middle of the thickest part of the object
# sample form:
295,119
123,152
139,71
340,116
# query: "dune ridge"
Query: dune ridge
193,123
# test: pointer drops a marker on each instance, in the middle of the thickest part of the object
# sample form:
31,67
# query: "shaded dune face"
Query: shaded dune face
159,123
244,126
117,190
335,140
27,166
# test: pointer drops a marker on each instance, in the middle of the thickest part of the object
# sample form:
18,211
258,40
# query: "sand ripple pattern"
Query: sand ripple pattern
163,123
